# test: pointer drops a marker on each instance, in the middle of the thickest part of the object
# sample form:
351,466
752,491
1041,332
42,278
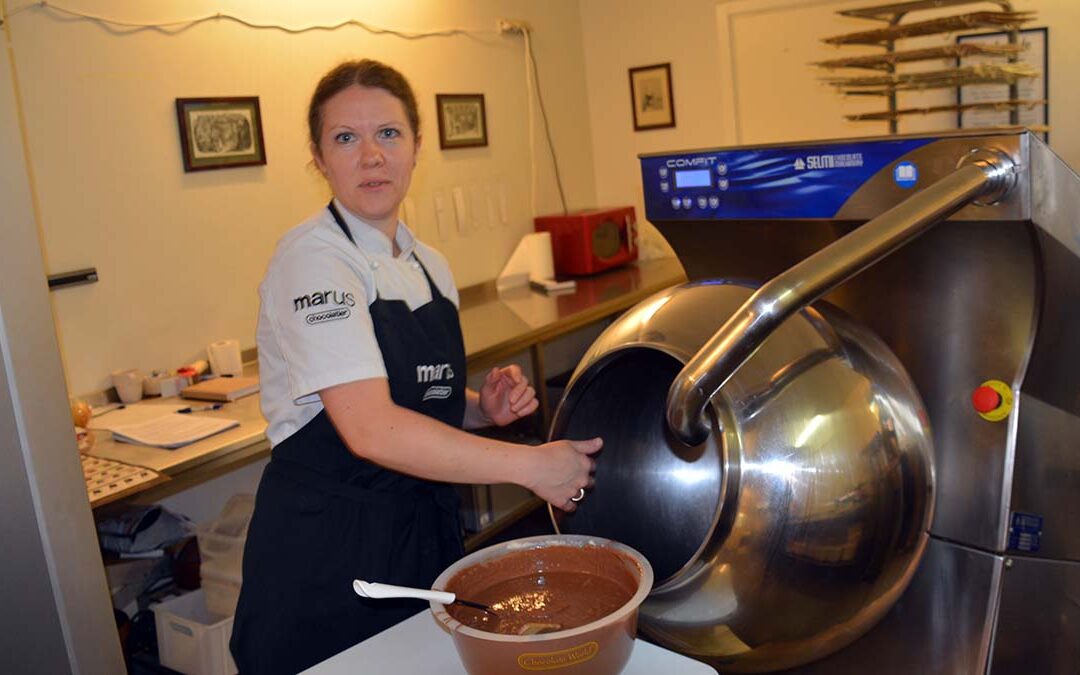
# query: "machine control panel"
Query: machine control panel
805,181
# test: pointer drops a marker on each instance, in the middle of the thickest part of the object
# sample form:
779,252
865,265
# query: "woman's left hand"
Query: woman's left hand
506,396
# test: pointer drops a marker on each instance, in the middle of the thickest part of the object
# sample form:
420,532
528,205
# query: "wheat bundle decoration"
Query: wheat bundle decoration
948,24
996,62
885,115
981,73
955,51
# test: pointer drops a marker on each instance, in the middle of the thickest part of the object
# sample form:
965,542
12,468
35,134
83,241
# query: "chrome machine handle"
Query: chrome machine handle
983,176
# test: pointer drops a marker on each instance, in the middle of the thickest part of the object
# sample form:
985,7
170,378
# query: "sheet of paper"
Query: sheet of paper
172,430
133,414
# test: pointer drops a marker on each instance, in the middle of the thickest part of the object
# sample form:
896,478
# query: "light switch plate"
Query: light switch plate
444,215
478,208
461,209
492,207
504,210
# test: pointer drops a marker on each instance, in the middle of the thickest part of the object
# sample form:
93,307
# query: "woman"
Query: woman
363,385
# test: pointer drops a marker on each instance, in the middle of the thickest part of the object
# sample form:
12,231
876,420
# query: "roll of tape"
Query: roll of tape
225,357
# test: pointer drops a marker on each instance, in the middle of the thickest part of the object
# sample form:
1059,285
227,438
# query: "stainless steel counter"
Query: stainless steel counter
495,327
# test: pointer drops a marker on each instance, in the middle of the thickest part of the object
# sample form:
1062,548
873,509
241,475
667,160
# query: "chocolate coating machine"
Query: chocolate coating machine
852,440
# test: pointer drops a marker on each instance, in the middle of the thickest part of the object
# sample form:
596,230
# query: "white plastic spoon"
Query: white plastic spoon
375,590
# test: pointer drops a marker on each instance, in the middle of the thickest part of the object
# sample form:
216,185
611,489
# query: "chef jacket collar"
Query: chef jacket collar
370,238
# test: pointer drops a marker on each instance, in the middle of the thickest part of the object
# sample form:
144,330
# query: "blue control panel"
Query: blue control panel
807,181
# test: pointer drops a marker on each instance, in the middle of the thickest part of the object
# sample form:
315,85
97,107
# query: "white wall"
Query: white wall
741,74
622,34
180,255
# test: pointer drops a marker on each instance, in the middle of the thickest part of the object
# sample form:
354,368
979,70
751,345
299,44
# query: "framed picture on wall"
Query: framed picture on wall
651,98
462,121
1034,92
220,133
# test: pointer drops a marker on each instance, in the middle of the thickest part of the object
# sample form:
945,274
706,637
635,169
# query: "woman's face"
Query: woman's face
367,152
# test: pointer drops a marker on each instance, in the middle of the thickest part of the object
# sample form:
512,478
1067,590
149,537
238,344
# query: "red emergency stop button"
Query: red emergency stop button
985,399
993,400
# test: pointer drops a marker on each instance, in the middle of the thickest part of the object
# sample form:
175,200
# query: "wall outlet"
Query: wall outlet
511,26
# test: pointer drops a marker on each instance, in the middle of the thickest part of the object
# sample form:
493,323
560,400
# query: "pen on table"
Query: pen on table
99,410
201,408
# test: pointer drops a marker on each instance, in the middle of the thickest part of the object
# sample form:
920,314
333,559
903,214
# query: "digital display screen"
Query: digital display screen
695,178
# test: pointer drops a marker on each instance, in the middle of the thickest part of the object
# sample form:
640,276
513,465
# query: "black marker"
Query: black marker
189,409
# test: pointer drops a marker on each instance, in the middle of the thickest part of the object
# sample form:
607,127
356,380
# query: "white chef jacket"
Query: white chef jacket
314,328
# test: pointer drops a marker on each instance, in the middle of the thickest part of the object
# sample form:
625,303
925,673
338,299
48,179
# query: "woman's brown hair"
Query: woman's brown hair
365,73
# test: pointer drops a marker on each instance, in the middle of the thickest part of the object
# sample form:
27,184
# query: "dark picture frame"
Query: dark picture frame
220,133
651,97
462,121
1037,88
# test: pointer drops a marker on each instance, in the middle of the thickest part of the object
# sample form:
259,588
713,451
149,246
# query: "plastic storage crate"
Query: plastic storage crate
192,639
221,541
221,591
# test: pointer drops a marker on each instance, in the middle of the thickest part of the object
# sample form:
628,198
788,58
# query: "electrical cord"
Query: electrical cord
532,71
543,115
530,92
185,24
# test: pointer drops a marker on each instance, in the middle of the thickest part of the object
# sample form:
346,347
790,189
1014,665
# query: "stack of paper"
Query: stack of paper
171,431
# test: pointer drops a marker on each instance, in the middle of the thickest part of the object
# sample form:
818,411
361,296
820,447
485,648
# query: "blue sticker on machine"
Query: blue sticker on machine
906,175
1024,532
812,181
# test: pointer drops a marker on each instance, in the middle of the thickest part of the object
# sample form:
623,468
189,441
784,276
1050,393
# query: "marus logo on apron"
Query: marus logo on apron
431,373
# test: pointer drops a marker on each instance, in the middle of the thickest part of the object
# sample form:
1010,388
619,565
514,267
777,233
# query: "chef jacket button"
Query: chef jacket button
415,265
374,265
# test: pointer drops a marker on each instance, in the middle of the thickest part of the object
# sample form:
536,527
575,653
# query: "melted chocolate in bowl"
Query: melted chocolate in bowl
557,587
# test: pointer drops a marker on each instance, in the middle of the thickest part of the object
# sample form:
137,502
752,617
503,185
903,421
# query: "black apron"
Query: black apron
324,517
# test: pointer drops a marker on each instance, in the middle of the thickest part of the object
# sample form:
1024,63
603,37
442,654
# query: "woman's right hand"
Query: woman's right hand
561,470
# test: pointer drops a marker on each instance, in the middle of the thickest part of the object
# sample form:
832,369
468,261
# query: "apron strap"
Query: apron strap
435,293
340,221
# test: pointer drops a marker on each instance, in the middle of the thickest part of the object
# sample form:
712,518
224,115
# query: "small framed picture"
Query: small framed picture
462,120
650,96
220,133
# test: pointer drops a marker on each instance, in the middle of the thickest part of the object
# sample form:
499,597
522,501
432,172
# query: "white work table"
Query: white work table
420,646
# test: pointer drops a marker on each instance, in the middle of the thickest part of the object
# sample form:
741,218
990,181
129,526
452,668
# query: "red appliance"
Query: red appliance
590,241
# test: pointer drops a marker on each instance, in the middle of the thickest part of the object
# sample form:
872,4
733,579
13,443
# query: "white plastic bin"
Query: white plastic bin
192,639
221,591
221,541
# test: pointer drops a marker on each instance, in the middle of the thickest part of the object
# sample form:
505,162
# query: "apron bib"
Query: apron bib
324,517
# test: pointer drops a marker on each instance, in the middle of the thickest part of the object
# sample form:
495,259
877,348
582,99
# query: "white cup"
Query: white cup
129,384
225,357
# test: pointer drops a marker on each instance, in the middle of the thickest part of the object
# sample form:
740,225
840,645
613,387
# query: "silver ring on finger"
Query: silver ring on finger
579,497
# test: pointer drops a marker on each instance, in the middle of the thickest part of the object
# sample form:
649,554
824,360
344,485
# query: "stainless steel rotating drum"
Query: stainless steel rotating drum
771,455
794,526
